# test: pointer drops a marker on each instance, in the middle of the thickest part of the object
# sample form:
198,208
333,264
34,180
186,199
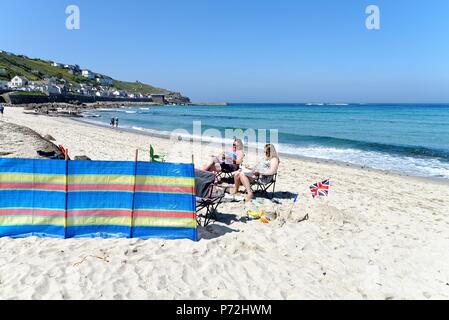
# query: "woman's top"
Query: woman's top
263,167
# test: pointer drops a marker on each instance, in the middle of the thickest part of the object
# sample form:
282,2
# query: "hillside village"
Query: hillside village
57,79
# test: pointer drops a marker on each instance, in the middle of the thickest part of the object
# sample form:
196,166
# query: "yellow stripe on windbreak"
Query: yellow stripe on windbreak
126,221
100,179
95,221
31,220
164,222
96,179
31,177
166,181
126,179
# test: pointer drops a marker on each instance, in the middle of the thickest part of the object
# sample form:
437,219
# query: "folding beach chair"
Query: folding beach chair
64,151
208,197
264,183
225,174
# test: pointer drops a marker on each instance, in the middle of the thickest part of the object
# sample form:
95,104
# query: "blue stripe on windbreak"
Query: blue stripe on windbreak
164,201
165,169
165,233
101,167
32,199
99,200
24,231
123,200
35,166
98,232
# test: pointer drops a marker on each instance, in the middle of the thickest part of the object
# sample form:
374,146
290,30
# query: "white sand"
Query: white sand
378,236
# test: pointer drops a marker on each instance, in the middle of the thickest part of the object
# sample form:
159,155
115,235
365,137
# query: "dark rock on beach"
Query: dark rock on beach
22,142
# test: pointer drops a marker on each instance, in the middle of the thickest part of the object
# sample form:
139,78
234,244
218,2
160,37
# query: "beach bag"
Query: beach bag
203,181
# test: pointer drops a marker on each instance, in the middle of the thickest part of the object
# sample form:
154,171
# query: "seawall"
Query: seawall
29,99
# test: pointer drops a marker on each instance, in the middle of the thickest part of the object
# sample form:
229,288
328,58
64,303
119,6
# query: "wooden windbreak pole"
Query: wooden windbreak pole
194,198
66,157
136,159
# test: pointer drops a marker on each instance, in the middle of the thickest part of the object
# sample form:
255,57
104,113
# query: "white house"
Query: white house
18,82
37,86
88,74
120,93
2,71
55,64
102,94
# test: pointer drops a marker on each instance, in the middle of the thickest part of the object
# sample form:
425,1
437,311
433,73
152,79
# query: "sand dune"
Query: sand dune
378,235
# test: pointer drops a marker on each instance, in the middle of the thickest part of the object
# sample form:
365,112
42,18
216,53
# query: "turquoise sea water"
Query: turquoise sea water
412,139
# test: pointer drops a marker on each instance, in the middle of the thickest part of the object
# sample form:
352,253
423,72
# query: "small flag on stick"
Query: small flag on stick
320,189
295,201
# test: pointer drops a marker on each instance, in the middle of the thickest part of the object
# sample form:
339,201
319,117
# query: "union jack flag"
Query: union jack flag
320,188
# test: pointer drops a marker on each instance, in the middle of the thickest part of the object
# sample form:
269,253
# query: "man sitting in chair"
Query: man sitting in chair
263,172
227,161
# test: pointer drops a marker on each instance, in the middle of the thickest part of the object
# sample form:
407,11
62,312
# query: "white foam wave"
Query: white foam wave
424,167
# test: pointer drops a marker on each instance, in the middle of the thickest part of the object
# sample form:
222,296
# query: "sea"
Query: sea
412,139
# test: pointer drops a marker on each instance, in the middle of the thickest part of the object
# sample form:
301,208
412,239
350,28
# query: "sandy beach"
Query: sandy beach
379,235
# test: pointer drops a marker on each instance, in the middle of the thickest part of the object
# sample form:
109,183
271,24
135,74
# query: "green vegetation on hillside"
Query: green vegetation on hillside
37,69
33,69
138,87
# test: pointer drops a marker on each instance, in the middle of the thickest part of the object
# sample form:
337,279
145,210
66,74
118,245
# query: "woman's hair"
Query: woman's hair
270,152
238,143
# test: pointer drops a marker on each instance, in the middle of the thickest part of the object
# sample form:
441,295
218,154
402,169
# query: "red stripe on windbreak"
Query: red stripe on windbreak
32,186
32,212
164,214
100,187
162,189
100,213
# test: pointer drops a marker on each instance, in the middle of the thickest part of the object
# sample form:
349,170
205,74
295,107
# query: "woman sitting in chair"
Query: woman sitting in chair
227,161
264,171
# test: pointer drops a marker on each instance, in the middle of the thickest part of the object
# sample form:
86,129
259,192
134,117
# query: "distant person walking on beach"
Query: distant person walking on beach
116,122
2,109
112,123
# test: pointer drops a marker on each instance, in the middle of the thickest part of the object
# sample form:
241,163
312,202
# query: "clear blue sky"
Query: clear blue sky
248,51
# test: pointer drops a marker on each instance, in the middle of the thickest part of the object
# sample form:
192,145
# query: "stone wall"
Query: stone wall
27,99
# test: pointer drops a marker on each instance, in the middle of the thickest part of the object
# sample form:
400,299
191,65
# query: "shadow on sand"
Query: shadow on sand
220,227
282,195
